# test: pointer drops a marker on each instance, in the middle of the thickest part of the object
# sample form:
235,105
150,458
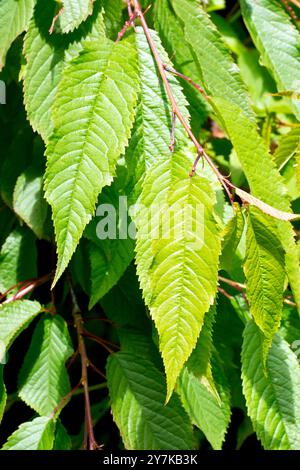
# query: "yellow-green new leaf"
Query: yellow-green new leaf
93,115
178,248
265,275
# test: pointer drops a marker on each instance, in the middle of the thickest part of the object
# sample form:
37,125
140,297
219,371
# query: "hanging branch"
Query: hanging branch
230,188
242,287
89,438
25,287
176,112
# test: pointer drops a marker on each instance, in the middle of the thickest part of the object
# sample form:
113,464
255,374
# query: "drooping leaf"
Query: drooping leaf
265,275
28,200
46,57
177,268
73,13
250,148
228,97
15,317
18,258
44,380
111,247
273,399
113,17
210,414
62,439
123,304
33,435
93,115
151,136
287,147
199,363
277,39
14,19
3,395
231,238
137,391
212,55
172,36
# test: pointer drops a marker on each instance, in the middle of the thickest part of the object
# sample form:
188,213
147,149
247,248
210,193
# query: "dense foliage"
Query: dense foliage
149,199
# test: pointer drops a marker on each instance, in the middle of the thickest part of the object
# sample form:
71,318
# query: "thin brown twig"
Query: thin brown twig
72,359
291,11
98,371
242,287
175,109
65,399
223,291
130,12
27,287
126,26
172,144
54,20
105,344
90,442
187,79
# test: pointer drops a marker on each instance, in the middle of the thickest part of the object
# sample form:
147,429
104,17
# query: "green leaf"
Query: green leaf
18,258
277,39
172,36
28,200
222,83
109,256
62,439
212,56
3,395
210,414
264,180
93,115
137,392
33,435
73,13
151,136
177,268
265,275
231,238
43,378
113,17
199,362
14,19
287,147
123,304
46,57
18,156
273,400
15,317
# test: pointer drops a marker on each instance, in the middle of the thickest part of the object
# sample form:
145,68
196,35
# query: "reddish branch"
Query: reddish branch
176,112
290,9
89,438
242,287
25,288
187,79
